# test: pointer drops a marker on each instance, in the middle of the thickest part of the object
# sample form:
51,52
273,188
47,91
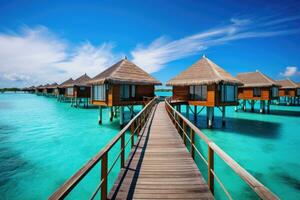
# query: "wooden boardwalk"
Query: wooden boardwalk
160,167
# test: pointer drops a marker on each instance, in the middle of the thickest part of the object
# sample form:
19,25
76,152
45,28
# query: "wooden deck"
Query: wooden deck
160,167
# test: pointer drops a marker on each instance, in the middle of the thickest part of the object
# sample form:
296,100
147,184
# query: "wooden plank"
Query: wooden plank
160,167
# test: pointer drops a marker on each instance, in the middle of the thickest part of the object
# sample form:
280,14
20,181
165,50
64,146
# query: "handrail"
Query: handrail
181,124
135,125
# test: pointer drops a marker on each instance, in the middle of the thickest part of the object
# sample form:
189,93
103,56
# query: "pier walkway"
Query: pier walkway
160,166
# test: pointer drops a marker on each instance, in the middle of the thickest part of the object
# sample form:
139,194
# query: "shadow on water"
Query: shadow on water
12,162
292,181
285,113
253,128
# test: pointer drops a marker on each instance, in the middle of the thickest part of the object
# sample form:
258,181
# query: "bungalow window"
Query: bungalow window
70,91
274,91
298,91
256,92
127,92
99,92
228,93
198,92
82,88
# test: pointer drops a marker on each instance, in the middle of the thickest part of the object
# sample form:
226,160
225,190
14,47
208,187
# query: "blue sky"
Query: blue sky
47,41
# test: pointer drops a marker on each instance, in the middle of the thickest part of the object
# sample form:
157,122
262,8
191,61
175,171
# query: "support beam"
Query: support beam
195,113
262,106
115,111
268,106
210,116
252,105
187,111
132,113
121,115
100,115
244,105
223,115
111,114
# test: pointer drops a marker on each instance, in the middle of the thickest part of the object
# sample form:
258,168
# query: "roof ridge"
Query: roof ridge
266,77
246,73
118,68
212,66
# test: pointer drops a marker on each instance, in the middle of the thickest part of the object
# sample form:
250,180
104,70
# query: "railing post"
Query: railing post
123,150
132,134
192,136
184,132
210,169
104,177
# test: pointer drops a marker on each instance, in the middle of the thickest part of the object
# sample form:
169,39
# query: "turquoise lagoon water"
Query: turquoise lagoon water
43,142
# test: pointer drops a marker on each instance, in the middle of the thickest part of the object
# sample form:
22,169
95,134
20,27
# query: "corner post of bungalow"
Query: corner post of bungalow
289,90
257,87
207,85
63,91
124,84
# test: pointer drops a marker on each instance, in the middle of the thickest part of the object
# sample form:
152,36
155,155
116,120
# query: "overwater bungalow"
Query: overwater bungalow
257,87
39,90
30,89
124,84
62,91
205,84
289,91
78,91
50,90
44,89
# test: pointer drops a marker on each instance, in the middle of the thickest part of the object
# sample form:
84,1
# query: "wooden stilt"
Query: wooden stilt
195,113
223,115
187,111
252,105
209,116
268,106
111,114
262,106
132,113
244,105
121,116
100,115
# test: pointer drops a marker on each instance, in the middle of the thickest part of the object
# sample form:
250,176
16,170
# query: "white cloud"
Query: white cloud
290,71
88,58
16,77
160,52
35,55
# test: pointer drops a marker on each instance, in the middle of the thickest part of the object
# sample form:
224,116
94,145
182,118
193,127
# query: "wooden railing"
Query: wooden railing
183,124
135,126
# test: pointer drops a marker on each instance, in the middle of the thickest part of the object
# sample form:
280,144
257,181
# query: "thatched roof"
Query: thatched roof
256,79
125,72
204,71
287,84
81,81
53,85
39,87
45,86
66,83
